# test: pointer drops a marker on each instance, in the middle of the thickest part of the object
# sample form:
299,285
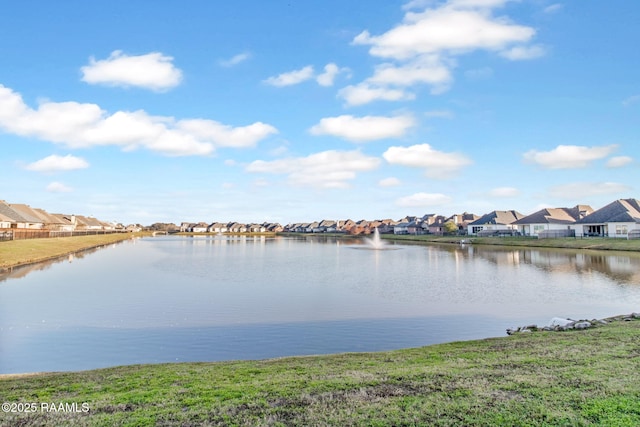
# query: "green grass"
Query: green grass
573,378
19,252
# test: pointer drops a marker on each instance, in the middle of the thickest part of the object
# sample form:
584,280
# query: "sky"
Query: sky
295,111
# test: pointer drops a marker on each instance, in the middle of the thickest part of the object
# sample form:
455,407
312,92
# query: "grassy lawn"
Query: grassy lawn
573,378
17,252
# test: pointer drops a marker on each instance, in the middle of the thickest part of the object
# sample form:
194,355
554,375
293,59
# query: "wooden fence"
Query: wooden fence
22,233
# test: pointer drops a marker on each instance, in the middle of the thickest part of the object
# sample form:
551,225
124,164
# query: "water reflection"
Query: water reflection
621,267
24,270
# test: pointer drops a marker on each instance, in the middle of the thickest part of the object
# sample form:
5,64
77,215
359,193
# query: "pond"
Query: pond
175,299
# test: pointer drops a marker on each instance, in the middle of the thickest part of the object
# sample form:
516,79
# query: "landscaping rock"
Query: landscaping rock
558,324
582,325
560,321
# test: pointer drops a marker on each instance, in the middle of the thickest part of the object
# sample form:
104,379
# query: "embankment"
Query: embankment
22,252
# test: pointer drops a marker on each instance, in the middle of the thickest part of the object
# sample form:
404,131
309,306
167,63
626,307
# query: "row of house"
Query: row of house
341,226
620,218
230,227
427,224
15,216
430,223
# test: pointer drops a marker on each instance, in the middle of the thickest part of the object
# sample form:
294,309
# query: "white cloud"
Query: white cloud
235,60
568,156
153,71
423,200
427,69
56,163
389,80
582,190
364,93
437,164
504,192
58,187
389,182
424,45
224,135
292,77
331,71
362,129
77,125
619,161
446,29
553,8
519,53
327,169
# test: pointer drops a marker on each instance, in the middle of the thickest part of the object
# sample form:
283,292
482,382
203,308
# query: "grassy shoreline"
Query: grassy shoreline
600,244
591,243
579,378
17,253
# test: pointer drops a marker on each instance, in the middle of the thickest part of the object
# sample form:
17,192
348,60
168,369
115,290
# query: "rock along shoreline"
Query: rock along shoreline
561,324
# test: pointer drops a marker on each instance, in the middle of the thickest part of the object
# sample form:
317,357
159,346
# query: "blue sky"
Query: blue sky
295,111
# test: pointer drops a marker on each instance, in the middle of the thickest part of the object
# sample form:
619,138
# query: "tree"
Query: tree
450,227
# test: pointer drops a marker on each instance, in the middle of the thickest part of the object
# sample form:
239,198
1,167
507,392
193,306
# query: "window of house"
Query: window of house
621,229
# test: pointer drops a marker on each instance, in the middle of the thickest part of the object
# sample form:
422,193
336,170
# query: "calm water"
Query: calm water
168,299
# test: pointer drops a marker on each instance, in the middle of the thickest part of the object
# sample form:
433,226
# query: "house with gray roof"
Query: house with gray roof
217,227
462,221
620,218
67,222
52,222
236,227
5,221
200,227
552,222
9,218
87,223
21,216
402,227
495,223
